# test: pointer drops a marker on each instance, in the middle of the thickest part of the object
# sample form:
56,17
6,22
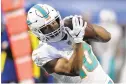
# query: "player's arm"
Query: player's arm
69,67
92,31
96,33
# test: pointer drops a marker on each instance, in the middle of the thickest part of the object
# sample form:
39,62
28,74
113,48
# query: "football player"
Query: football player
63,50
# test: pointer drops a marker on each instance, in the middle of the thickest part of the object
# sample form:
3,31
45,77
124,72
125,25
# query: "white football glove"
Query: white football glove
78,29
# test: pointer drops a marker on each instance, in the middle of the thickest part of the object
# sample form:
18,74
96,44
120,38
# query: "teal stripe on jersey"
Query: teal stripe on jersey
41,10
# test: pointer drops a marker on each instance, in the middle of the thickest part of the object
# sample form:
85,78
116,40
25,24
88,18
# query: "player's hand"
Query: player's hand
79,26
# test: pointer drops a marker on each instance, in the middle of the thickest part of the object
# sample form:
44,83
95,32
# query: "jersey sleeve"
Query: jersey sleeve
40,56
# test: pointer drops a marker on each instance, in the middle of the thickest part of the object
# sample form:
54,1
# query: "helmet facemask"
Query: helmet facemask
52,31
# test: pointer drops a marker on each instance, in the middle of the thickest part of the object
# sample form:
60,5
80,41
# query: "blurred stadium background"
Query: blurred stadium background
17,44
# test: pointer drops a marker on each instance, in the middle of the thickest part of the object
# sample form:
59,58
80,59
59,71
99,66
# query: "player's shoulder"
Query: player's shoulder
40,55
40,52
42,48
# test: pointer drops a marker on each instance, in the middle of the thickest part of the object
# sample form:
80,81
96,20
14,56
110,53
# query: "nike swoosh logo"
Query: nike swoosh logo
77,34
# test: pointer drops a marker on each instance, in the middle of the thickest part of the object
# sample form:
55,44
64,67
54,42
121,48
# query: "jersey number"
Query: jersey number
89,61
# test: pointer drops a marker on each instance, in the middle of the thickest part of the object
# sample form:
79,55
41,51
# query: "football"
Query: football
89,31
